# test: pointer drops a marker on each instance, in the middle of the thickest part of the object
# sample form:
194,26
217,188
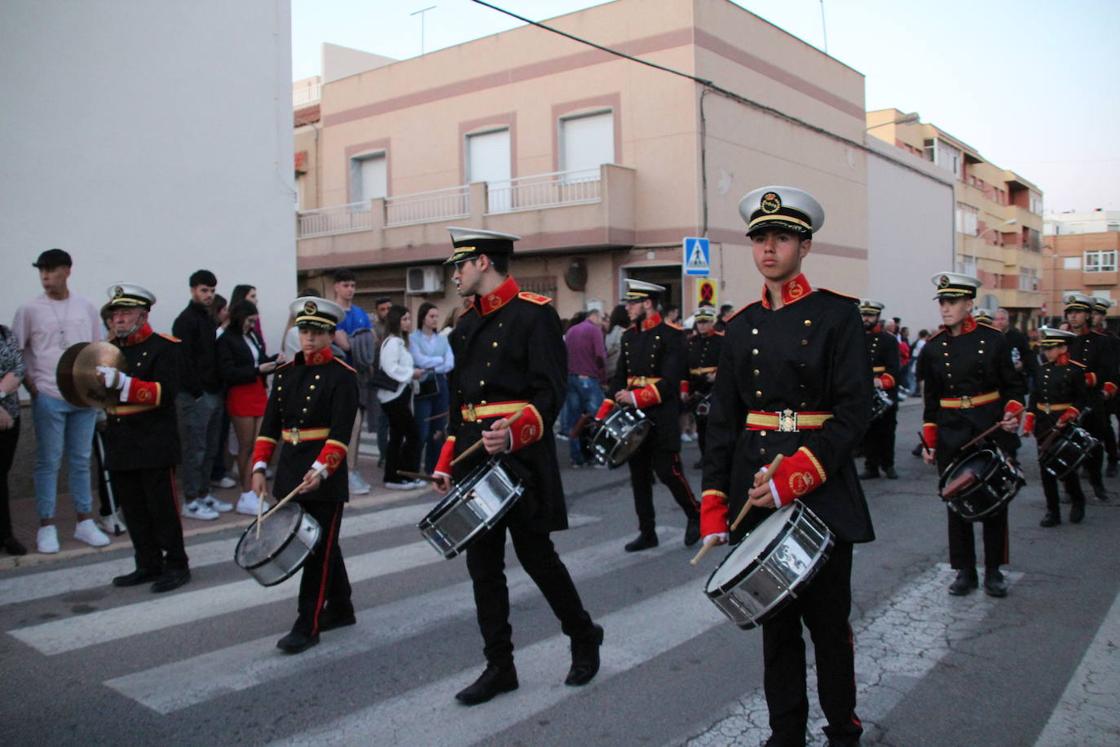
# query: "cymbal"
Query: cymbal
77,374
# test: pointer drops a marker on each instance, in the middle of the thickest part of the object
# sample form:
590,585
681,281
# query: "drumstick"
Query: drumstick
980,437
284,500
260,511
758,481
478,444
703,551
418,476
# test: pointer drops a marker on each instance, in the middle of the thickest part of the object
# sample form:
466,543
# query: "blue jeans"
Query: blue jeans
61,429
584,397
426,410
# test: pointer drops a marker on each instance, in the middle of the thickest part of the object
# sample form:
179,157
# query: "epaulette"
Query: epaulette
536,298
740,311
844,296
169,338
980,323
935,334
345,365
285,364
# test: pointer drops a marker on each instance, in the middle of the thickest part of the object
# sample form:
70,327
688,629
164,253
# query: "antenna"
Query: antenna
422,11
824,28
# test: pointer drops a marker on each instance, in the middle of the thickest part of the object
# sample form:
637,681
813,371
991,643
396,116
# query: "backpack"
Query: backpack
363,351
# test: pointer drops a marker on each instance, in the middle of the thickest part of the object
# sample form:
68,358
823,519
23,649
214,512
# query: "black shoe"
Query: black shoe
890,473
137,577
336,617
776,741
1099,491
965,582
12,546
585,659
1051,519
493,681
1077,513
994,583
691,532
1110,470
170,579
643,541
871,473
296,642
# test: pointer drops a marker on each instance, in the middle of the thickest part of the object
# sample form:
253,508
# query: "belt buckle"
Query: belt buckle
293,436
1045,407
787,421
966,402
472,416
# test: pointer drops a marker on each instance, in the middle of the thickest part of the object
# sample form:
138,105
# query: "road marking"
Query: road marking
79,631
181,684
897,644
634,635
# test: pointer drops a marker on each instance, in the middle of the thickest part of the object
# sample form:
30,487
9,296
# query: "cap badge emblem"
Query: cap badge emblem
1071,299
771,203
943,281
117,292
310,308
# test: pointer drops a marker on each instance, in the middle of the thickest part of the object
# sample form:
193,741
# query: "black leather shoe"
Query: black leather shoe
12,546
691,532
890,473
336,617
1099,491
1077,513
171,579
965,582
296,642
137,577
585,659
1051,520
642,542
994,583
869,474
1110,470
493,681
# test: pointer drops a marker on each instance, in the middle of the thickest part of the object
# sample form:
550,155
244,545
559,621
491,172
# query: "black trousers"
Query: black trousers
962,545
486,563
702,433
8,441
324,579
878,443
151,511
1050,490
403,449
1109,435
823,606
1096,422
646,461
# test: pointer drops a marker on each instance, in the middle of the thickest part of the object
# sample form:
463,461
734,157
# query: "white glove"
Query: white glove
113,378
721,538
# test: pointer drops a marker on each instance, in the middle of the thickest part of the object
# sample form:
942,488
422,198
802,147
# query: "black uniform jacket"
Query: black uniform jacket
316,394
703,358
1060,384
654,350
1098,353
808,356
509,347
143,433
974,363
882,354
235,360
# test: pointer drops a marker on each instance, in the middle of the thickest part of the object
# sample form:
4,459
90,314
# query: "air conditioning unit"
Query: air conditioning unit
424,280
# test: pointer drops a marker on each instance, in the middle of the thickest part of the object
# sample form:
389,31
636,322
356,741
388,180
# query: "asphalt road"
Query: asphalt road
88,664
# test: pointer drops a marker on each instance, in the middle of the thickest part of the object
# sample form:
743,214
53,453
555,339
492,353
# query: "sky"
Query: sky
1034,86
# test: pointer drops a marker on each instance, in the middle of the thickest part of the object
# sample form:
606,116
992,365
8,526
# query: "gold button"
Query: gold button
804,342
756,372
762,433
312,386
804,405
763,450
305,409
754,352
754,331
758,393
482,383
808,322
316,377
494,344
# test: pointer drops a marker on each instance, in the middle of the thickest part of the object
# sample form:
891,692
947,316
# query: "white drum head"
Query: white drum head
750,548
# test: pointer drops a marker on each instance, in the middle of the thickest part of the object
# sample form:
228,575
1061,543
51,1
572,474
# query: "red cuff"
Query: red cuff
144,392
1028,424
647,396
528,429
713,513
929,435
331,455
1090,380
887,381
605,409
446,454
1109,388
1013,407
262,449
1070,414
798,474
684,386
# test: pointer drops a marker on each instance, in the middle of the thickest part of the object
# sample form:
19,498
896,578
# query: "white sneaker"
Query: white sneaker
195,510
214,504
418,483
358,486
249,502
225,482
47,539
112,523
402,485
686,439
87,532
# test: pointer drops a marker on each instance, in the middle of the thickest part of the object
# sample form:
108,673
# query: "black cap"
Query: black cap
53,258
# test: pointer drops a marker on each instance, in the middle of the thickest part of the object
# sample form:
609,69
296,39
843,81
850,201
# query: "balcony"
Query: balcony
1013,298
552,212
1097,279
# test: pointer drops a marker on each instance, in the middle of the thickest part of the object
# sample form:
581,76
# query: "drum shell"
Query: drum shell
1068,450
619,435
470,509
881,404
995,486
282,563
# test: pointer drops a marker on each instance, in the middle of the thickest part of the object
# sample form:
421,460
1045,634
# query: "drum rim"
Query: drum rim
646,425
429,520
283,546
457,491
781,602
997,452
799,510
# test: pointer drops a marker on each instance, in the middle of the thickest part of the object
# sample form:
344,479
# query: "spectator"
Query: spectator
619,322
244,366
356,320
923,336
199,401
396,361
219,312
219,473
673,314
248,293
724,312
432,352
44,328
109,516
376,422
587,374
11,373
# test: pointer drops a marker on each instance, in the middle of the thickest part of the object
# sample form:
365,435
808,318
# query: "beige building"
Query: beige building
998,214
1080,251
601,164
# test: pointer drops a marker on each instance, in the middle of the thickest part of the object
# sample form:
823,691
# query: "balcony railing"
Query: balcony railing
354,216
539,191
426,207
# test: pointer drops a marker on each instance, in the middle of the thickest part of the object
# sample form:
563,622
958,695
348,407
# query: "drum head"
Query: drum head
282,523
749,550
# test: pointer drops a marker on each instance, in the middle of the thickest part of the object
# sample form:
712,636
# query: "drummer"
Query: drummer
650,370
311,409
882,353
1057,398
794,381
510,361
703,357
1096,352
970,385
142,439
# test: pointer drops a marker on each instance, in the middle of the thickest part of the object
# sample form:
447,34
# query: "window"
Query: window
368,177
1071,263
1028,279
586,142
1100,261
1034,239
1036,203
967,219
488,160
967,266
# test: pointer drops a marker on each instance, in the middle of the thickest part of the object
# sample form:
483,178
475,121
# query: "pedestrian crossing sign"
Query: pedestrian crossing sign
697,256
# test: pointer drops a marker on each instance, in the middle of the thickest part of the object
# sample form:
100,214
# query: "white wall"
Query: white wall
910,234
148,139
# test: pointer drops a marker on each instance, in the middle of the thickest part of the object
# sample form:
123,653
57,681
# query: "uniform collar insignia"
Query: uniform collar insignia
137,337
792,291
1062,359
498,297
651,321
968,325
319,357
876,329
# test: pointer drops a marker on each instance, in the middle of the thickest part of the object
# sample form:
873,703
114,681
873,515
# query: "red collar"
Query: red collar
792,291
876,329
1062,359
318,358
136,337
498,297
651,321
968,325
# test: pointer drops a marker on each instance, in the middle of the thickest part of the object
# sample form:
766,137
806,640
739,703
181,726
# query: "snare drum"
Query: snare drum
288,535
619,435
1067,451
471,508
980,482
881,403
704,406
770,566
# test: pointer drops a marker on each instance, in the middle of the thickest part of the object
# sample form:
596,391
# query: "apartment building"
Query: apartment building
1080,252
998,223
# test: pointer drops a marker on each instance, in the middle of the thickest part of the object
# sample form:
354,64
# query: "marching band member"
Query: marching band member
650,370
703,359
142,440
510,359
1096,352
1098,322
971,384
310,411
882,353
1057,398
794,381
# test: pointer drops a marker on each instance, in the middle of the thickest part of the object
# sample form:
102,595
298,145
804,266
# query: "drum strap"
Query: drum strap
1049,407
967,403
786,421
